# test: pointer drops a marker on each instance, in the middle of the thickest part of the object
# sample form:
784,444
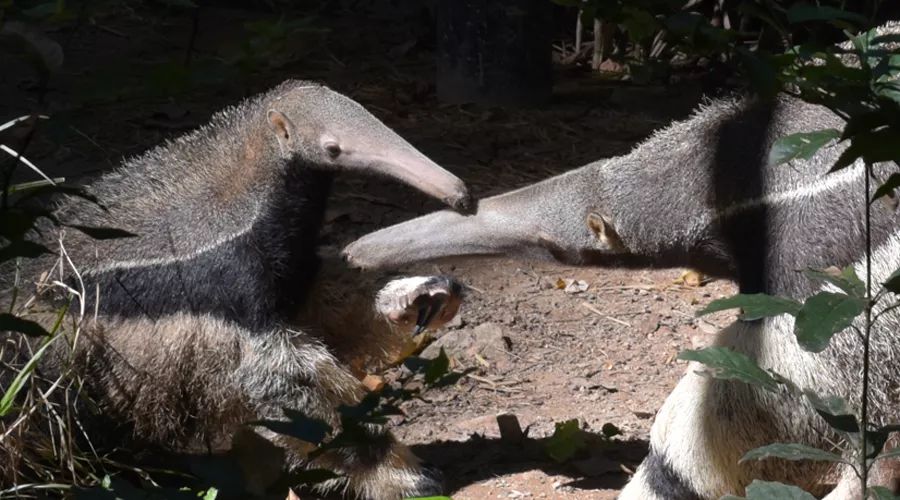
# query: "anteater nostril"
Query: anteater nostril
464,204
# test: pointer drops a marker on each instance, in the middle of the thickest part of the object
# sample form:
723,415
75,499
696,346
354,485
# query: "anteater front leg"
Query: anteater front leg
420,302
367,323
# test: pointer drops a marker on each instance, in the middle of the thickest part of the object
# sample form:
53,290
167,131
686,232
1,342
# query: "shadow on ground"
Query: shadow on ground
605,465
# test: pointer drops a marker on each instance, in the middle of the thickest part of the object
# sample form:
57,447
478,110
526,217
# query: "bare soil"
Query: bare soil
606,355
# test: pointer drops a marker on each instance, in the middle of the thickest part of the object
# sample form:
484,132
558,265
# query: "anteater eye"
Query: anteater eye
333,149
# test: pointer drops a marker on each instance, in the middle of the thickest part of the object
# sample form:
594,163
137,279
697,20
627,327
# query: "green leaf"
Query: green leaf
835,411
887,38
102,233
42,10
895,453
847,280
865,122
802,145
874,146
13,323
767,490
877,438
892,283
437,368
24,374
298,426
886,68
210,494
754,306
823,315
888,187
730,365
566,441
881,493
889,90
639,23
791,451
25,186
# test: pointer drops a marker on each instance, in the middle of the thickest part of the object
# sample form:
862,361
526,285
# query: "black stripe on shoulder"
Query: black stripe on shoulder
664,481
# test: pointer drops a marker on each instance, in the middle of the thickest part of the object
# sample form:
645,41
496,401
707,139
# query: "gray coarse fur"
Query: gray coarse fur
701,193
201,317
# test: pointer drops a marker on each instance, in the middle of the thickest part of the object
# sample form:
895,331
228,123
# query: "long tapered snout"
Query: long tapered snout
440,234
416,170
543,221
333,132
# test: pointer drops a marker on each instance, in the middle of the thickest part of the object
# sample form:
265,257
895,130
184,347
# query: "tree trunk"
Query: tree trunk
494,52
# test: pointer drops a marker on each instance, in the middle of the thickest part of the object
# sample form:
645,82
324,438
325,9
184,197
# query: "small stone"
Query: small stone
510,430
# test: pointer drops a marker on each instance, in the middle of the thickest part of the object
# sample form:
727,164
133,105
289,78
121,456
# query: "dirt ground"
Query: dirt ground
602,356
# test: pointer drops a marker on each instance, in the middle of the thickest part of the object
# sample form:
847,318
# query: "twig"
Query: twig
864,422
111,31
19,157
594,310
579,28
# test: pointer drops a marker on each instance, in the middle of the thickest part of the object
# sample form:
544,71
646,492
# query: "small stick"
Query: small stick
578,29
594,310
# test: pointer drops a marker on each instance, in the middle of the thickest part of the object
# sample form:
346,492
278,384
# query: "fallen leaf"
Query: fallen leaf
373,383
690,278
572,286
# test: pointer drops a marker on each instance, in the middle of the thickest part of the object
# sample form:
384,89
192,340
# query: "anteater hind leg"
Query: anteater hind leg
189,382
291,370
884,473
685,461
706,425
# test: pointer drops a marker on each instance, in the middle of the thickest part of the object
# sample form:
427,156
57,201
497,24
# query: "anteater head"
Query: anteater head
327,130
558,219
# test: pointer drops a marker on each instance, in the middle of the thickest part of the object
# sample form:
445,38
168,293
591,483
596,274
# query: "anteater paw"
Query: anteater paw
421,302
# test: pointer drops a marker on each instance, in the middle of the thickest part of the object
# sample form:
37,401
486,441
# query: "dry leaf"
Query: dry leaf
690,278
572,286
373,383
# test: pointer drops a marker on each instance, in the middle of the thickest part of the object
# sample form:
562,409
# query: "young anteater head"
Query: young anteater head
240,199
333,132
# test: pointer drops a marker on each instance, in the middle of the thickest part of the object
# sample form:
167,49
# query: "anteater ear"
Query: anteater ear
604,232
282,127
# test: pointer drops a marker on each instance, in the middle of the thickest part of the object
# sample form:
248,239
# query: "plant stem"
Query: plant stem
864,422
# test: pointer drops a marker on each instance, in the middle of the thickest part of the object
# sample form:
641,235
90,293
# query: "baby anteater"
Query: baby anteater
199,323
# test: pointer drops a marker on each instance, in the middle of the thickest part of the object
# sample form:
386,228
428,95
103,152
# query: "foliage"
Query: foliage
857,81
780,46
567,440
765,490
791,50
730,365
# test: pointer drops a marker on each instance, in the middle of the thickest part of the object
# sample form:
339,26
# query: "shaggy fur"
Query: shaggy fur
202,319
701,194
